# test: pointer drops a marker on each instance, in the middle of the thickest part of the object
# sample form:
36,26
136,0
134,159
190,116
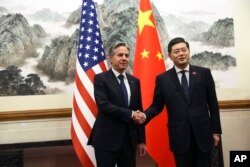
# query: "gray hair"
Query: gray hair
116,45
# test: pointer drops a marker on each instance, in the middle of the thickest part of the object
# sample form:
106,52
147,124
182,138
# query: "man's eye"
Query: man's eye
177,51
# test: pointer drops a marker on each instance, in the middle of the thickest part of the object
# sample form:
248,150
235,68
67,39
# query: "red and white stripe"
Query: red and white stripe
84,112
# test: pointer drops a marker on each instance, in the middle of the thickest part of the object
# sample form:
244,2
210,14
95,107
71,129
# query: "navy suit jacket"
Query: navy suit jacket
199,113
114,118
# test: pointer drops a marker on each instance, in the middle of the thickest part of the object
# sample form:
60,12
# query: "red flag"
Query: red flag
148,63
90,60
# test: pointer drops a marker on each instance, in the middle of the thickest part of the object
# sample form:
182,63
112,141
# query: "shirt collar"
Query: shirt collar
178,69
117,73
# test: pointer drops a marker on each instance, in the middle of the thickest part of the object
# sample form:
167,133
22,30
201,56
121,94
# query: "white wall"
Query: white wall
235,132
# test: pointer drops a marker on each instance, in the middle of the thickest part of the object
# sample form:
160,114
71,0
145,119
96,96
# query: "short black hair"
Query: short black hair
175,41
116,45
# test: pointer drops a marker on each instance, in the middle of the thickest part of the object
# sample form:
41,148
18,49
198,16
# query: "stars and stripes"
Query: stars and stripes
90,61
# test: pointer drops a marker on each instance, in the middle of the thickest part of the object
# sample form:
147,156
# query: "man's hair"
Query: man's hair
116,45
176,41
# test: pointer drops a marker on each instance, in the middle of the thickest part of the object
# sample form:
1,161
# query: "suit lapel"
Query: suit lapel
176,81
115,84
175,78
132,86
192,78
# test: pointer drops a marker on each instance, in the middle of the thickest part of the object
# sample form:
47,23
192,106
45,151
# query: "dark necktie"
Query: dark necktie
184,82
124,90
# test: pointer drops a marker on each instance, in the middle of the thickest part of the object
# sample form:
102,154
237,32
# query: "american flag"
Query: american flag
90,61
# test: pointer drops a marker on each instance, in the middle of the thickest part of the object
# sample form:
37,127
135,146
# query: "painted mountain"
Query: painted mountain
38,50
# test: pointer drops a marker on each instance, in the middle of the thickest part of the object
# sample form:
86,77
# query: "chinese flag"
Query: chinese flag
148,63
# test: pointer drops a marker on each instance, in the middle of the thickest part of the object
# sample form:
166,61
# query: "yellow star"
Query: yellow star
144,54
144,20
159,55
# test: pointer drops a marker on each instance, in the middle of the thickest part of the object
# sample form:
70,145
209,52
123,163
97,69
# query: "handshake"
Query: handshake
139,117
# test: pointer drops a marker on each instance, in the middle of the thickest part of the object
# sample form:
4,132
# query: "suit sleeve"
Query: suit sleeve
157,104
104,103
213,104
140,128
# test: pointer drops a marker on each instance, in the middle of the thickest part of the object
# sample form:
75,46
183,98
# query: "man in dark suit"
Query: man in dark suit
115,136
193,114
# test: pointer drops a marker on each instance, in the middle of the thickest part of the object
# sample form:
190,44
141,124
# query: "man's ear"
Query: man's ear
110,58
170,56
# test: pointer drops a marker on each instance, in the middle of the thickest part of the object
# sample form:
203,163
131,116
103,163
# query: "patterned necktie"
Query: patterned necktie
124,90
184,82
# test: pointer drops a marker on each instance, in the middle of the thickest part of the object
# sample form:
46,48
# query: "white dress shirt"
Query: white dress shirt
125,82
179,74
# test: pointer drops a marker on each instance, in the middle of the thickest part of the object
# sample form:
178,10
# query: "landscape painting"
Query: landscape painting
38,41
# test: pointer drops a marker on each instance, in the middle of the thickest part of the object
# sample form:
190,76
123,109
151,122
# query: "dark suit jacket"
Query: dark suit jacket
200,112
113,117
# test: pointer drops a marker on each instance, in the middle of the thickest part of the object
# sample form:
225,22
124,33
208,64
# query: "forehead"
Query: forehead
179,45
121,49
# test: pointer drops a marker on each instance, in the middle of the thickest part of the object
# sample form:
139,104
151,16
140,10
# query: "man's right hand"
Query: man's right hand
139,117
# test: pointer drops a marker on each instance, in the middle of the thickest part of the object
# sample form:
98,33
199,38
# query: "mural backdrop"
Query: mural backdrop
38,41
